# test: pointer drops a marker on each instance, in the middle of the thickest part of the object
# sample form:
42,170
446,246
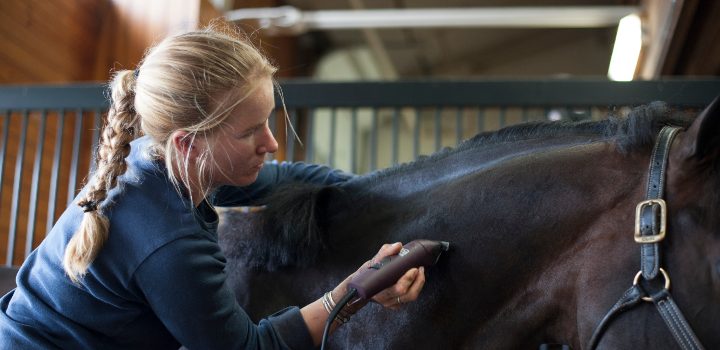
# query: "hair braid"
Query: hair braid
114,146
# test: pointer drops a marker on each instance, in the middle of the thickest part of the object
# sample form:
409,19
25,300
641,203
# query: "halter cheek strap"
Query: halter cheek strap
651,214
650,229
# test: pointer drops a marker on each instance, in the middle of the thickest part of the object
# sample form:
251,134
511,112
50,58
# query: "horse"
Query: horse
540,219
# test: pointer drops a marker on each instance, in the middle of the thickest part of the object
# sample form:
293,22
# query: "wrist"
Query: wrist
354,305
330,305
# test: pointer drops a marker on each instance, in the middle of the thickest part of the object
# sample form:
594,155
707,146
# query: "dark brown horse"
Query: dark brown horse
541,218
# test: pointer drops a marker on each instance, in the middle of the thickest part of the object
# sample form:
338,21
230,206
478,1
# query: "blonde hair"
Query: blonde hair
183,83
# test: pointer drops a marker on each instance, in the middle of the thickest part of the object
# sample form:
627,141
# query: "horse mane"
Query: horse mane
293,228
635,131
294,220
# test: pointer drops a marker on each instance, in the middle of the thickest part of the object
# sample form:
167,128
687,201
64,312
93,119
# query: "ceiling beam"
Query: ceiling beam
290,19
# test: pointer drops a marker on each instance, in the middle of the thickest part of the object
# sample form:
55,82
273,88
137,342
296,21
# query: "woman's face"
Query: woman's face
241,144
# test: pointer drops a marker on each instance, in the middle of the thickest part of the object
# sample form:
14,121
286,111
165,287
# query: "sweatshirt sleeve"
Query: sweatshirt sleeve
184,283
274,174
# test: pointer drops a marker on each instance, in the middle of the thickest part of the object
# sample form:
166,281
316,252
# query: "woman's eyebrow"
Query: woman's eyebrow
255,126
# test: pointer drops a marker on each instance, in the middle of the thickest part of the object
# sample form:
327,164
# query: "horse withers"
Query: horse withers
541,217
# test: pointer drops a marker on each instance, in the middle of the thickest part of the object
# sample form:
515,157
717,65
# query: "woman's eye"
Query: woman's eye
253,130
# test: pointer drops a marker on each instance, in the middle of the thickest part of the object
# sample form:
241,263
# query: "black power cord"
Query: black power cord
333,314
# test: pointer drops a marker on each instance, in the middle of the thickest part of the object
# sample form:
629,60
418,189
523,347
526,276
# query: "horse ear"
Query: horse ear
702,139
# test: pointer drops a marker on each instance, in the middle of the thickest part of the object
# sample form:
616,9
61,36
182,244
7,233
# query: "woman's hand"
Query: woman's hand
405,290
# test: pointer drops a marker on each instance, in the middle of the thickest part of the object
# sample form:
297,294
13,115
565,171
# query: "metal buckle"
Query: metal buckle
663,219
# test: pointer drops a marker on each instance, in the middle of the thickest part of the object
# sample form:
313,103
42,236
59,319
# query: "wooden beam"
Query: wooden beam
663,23
694,50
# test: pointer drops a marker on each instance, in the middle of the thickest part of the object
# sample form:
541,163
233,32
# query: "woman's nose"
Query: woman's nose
268,144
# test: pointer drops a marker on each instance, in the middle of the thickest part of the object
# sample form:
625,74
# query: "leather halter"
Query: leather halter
650,227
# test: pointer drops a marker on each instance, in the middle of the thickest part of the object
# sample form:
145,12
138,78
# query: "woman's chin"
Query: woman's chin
246,180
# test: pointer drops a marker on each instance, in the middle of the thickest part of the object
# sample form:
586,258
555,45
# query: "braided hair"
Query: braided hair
119,130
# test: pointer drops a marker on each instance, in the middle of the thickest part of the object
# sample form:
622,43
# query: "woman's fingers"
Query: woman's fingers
417,286
405,290
387,250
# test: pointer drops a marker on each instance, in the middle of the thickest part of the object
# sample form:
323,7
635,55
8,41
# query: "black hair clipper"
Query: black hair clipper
386,272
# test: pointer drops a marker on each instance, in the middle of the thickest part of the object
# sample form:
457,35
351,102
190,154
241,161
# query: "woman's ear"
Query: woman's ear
184,143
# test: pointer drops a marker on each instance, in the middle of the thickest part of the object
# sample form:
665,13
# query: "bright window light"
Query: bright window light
626,50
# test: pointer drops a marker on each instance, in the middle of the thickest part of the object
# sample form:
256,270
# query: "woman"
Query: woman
136,264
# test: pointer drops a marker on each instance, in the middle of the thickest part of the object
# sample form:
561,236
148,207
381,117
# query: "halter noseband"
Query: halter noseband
650,229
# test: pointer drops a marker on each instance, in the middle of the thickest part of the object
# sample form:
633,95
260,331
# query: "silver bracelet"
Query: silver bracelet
326,303
329,304
330,299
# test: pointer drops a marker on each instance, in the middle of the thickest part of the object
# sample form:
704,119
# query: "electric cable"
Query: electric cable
339,306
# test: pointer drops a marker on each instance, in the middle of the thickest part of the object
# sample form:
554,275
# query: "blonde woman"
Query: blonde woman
136,264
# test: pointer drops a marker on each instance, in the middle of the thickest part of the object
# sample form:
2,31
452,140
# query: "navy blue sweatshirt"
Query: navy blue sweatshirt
159,279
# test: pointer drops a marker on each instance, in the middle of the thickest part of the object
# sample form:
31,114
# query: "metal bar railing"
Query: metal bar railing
97,124
480,121
309,139
3,145
438,128
333,133
15,207
374,140
353,140
30,233
306,93
367,127
458,125
57,157
416,134
585,92
290,139
395,136
75,157
501,117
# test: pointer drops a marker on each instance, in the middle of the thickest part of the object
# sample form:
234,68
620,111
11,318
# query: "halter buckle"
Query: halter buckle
639,238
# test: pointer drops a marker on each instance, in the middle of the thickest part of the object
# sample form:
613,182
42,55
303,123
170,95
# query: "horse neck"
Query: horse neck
500,202
436,171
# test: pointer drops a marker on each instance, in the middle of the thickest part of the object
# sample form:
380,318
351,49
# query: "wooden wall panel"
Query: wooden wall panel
83,40
135,25
48,41
62,41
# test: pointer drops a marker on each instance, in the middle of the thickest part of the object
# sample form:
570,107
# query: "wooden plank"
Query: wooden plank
47,41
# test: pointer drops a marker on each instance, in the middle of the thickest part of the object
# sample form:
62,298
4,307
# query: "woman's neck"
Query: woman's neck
189,182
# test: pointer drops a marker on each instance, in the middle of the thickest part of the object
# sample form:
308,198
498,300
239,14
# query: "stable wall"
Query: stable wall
65,41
